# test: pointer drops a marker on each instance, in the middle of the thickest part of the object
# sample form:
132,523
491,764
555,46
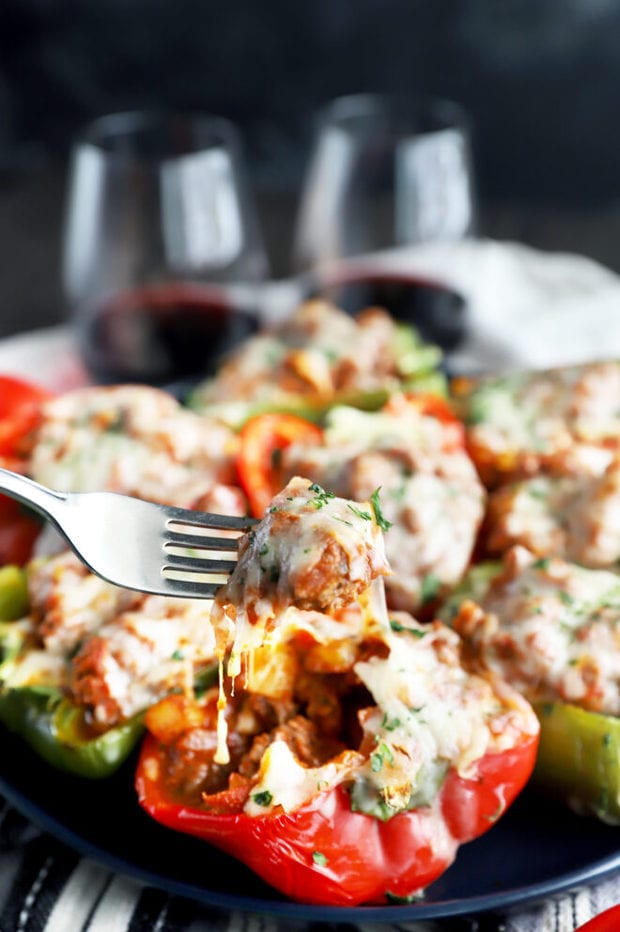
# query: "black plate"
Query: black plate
537,850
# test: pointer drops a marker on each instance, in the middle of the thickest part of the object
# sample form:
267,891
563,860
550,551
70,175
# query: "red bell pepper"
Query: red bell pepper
262,439
607,921
18,531
432,406
20,412
264,436
325,853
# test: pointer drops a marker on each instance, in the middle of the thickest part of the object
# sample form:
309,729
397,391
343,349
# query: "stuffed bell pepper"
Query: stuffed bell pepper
81,660
551,629
569,516
562,421
318,357
346,753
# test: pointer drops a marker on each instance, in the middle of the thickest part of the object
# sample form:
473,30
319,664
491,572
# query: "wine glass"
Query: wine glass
386,174
163,256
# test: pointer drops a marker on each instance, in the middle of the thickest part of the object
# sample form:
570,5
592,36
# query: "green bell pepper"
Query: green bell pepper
13,605
57,731
12,640
40,714
579,751
579,758
13,593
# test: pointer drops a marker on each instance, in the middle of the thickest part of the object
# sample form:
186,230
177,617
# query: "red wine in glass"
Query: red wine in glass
162,334
436,311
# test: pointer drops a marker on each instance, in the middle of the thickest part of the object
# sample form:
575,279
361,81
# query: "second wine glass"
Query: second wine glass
163,256
385,174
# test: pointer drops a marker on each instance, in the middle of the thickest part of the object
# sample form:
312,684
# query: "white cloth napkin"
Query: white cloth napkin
526,308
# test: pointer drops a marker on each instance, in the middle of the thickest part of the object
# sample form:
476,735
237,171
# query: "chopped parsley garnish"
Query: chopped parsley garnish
398,626
390,723
343,520
117,424
429,587
380,518
204,679
177,655
263,798
410,898
542,564
322,497
378,757
398,493
365,515
319,858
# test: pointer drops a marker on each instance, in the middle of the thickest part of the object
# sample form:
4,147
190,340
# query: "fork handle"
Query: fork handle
31,493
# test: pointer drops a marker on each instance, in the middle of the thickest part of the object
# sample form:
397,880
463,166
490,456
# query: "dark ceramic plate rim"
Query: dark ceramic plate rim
503,901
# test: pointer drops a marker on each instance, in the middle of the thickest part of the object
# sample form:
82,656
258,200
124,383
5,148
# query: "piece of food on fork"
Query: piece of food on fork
312,552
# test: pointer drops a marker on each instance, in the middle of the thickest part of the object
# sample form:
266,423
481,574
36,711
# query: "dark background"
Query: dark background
541,79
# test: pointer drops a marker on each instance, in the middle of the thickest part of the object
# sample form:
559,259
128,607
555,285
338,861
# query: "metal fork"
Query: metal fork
137,544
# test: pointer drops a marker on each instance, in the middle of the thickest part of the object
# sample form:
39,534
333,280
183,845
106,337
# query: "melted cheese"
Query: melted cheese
547,412
431,715
284,553
573,517
35,668
284,782
132,439
551,628
284,563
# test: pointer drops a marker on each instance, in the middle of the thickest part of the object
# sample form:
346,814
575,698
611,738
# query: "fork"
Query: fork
137,544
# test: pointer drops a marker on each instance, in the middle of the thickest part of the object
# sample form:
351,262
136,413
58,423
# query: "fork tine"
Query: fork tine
177,586
187,521
179,561
202,542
